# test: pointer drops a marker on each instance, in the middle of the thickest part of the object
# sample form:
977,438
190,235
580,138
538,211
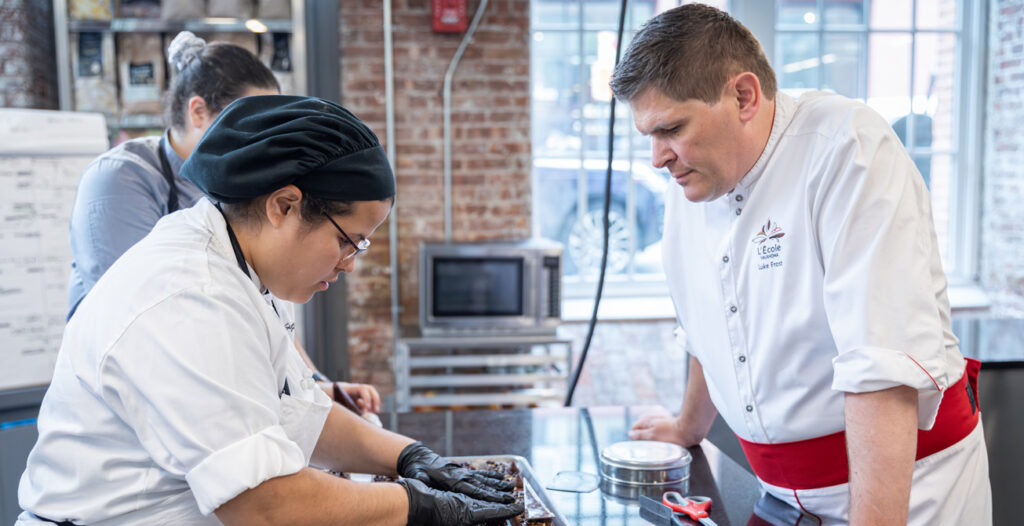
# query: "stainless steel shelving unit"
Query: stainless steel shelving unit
481,370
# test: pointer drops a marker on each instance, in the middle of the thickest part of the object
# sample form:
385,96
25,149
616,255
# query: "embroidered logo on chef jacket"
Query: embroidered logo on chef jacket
768,245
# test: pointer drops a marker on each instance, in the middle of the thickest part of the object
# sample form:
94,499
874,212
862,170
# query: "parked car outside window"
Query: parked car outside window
575,218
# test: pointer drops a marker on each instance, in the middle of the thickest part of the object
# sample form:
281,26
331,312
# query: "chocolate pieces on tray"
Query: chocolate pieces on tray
536,514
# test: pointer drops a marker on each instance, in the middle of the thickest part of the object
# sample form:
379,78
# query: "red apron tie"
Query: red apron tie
821,462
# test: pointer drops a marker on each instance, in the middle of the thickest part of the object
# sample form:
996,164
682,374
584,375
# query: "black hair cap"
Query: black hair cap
262,143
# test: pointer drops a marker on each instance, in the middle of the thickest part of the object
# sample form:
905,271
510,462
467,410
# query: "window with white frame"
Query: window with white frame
914,61
572,57
911,61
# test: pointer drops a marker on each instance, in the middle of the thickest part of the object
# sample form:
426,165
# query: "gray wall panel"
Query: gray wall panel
15,443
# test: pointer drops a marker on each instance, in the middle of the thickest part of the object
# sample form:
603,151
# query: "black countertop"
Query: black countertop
571,439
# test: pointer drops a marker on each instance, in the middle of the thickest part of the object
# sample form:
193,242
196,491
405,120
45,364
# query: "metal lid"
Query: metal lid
645,454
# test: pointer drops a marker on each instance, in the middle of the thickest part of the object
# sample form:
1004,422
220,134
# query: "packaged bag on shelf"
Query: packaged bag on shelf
182,9
277,55
274,9
142,72
229,8
243,39
140,9
92,64
90,9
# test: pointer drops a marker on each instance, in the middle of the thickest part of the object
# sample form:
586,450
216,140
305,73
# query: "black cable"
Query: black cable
607,226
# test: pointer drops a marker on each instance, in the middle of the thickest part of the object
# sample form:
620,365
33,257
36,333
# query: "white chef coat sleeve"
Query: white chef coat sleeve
194,378
877,241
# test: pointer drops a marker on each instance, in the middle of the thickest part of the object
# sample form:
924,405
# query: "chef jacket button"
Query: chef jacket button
743,358
733,309
750,408
738,210
739,198
725,259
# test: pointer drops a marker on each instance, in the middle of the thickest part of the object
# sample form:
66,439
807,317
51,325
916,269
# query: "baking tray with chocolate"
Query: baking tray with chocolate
539,509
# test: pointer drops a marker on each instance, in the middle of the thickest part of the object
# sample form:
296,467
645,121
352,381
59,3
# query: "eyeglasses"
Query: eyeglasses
359,247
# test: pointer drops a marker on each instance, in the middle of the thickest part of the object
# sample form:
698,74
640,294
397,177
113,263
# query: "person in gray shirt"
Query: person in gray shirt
125,191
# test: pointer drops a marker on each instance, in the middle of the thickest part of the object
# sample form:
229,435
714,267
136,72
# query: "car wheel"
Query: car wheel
584,239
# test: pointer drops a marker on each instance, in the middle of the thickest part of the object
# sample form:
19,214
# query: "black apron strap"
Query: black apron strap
165,168
239,257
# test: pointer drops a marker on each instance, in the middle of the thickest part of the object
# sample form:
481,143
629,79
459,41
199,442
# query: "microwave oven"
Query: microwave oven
490,288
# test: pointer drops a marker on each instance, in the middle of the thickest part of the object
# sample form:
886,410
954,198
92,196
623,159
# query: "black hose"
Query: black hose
607,226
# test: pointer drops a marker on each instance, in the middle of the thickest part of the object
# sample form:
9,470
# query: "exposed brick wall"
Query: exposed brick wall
28,63
490,148
1002,238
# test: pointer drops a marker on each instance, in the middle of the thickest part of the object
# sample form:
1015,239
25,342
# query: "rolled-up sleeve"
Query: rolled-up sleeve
195,378
227,472
882,293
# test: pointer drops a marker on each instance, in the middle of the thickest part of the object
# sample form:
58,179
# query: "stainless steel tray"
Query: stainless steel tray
527,473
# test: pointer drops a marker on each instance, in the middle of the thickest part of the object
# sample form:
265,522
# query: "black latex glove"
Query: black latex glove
430,507
419,462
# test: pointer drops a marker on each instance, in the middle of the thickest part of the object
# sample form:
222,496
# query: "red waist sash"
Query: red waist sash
822,461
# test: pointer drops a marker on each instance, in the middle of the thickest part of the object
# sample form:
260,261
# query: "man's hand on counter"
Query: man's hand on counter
694,420
418,462
660,428
431,507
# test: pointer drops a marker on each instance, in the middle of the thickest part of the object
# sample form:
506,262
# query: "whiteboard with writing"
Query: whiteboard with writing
42,157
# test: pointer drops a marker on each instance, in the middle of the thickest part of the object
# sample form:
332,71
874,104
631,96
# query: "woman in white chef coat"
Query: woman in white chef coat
177,397
125,191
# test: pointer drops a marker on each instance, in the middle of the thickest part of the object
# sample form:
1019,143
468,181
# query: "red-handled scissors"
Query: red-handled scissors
694,507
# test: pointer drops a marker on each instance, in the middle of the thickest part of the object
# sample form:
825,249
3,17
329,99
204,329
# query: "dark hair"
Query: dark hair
689,52
313,209
219,73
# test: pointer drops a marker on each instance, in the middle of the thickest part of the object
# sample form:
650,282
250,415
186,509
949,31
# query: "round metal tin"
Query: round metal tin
629,493
645,462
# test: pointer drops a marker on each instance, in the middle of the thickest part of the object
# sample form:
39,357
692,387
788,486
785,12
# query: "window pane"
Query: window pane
556,186
798,57
649,186
841,60
940,167
547,14
889,75
798,12
583,235
639,12
604,14
844,12
934,63
936,14
556,93
892,14
599,60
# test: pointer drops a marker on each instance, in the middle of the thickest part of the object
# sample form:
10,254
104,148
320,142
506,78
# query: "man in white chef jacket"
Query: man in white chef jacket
802,261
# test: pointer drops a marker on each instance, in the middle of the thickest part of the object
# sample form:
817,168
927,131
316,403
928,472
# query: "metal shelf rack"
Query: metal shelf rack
481,370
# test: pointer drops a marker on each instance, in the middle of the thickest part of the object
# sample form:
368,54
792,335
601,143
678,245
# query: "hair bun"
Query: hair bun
185,47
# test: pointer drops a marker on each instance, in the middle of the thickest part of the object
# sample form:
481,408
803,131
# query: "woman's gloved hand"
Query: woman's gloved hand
418,462
430,507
